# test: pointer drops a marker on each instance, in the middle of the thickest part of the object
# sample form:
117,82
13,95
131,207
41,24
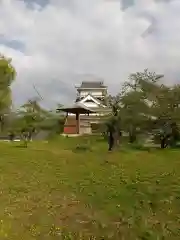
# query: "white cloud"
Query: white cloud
69,38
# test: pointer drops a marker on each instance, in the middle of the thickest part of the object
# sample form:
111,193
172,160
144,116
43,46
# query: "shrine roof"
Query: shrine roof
76,108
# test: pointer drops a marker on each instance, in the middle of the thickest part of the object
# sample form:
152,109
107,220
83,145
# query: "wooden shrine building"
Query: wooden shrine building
74,125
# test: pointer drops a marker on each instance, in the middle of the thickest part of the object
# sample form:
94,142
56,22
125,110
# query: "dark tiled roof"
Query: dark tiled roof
92,84
76,108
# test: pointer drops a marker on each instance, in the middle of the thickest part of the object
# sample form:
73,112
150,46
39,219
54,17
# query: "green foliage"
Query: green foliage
144,103
137,100
7,76
53,124
114,103
32,114
7,72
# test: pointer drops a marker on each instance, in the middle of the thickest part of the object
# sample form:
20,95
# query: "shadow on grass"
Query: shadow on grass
82,148
20,146
141,147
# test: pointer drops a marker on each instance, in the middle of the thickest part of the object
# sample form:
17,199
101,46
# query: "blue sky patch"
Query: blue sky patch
126,4
30,3
165,1
14,44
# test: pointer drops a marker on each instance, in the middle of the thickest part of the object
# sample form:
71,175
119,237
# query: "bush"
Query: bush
54,125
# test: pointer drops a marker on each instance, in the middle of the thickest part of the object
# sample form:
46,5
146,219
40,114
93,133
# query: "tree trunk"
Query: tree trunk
175,134
2,123
162,143
132,134
116,139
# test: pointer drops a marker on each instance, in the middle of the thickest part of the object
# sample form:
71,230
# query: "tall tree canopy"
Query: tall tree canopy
7,76
145,103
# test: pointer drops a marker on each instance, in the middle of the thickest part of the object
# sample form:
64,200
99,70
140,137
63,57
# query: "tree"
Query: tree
7,72
114,103
7,76
134,103
133,113
166,108
29,118
143,90
150,104
54,121
147,105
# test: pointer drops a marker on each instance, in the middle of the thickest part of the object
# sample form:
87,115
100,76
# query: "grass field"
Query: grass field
57,191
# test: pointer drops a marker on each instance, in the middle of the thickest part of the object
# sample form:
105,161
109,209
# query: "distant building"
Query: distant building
93,95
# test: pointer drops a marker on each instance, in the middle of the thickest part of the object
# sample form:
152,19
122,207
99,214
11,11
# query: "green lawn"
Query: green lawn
50,191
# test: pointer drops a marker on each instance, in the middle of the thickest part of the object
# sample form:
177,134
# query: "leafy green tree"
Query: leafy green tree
7,72
114,103
30,117
7,76
134,103
166,108
146,105
158,103
54,121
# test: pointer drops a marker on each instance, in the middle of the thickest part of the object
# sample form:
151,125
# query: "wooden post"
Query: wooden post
66,120
77,123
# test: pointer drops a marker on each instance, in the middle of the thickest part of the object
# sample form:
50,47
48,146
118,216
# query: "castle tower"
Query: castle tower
92,94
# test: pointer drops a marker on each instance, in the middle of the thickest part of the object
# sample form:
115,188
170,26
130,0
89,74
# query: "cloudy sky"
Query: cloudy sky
56,44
